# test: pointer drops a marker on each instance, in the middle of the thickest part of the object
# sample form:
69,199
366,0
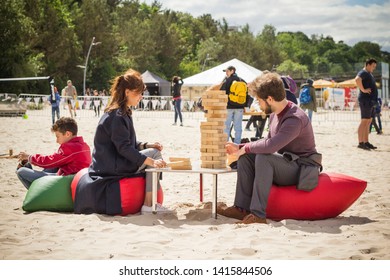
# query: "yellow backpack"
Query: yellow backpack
238,92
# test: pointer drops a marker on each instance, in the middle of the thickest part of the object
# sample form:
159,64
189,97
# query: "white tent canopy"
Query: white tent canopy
216,75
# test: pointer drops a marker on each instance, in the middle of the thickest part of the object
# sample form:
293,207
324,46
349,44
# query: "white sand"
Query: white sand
361,232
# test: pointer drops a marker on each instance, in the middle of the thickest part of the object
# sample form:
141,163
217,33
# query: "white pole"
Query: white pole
86,63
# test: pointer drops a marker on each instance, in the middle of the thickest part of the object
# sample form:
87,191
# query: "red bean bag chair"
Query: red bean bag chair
333,195
132,192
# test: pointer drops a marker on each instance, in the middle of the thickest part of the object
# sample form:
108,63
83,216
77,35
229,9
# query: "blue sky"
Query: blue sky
350,21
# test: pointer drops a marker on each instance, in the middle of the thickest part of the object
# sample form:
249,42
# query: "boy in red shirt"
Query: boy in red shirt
72,155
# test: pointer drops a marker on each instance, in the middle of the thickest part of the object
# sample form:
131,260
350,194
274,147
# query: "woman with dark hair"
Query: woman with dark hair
177,82
117,154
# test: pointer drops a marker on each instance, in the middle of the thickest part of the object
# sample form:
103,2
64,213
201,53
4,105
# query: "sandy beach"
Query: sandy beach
361,232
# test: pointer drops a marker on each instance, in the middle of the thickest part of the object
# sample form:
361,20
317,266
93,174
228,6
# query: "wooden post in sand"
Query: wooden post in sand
213,138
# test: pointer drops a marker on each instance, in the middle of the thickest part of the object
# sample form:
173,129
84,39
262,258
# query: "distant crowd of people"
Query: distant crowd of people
69,93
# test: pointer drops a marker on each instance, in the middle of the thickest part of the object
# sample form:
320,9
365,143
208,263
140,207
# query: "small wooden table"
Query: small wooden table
200,171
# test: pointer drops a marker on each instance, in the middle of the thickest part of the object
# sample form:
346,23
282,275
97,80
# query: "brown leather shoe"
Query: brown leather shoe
252,219
232,212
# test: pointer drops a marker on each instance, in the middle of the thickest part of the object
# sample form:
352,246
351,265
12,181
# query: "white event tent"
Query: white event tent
194,86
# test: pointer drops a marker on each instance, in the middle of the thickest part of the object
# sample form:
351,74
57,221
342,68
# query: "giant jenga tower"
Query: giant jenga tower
213,138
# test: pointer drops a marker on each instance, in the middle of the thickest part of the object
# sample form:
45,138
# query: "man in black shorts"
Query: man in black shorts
368,97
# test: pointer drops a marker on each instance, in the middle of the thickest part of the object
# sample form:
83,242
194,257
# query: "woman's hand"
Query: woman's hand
159,163
155,145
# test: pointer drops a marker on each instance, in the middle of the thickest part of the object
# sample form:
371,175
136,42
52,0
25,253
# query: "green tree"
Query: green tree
16,59
271,54
95,19
295,70
363,50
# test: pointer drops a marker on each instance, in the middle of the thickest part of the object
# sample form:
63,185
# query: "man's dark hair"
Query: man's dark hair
231,68
65,124
370,61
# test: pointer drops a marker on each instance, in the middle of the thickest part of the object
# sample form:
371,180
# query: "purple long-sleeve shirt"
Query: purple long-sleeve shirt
289,131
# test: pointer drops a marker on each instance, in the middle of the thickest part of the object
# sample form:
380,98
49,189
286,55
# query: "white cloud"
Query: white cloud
346,20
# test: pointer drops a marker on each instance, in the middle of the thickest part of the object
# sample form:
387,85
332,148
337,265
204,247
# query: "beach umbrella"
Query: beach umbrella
347,83
323,84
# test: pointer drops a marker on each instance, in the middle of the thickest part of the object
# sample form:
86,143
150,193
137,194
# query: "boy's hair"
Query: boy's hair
65,124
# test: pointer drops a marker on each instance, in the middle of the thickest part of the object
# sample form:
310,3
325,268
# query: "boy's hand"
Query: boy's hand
23,156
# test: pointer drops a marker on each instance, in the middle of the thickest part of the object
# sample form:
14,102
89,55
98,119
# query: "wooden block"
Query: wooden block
189,167
178,159
213,116
209,101
214,152
216,111
220,128
231,158
8,156
212,131
179,164
210,146
216,119
215,156
207,142
216,138
219,162
211,123
215,103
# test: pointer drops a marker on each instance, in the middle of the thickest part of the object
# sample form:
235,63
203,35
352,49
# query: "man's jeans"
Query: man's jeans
235,116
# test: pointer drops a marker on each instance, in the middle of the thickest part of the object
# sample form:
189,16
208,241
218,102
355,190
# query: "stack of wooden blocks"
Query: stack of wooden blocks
213,138
178,163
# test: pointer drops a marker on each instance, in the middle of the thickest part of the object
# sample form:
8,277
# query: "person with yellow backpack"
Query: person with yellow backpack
236,89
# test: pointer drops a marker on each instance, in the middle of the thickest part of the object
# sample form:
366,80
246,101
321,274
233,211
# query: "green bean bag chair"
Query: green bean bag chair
49,193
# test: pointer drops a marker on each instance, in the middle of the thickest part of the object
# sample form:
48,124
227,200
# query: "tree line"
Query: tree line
52,38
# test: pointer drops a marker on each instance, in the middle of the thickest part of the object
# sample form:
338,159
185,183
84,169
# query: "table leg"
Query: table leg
201,187
214,199
154,192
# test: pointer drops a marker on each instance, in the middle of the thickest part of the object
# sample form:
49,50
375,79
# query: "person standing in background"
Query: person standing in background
307,98
71,93
54,100
288,87
96,103
235,111
177,82
368,97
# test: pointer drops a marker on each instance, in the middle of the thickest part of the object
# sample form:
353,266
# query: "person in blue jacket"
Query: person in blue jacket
54,100
117,153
